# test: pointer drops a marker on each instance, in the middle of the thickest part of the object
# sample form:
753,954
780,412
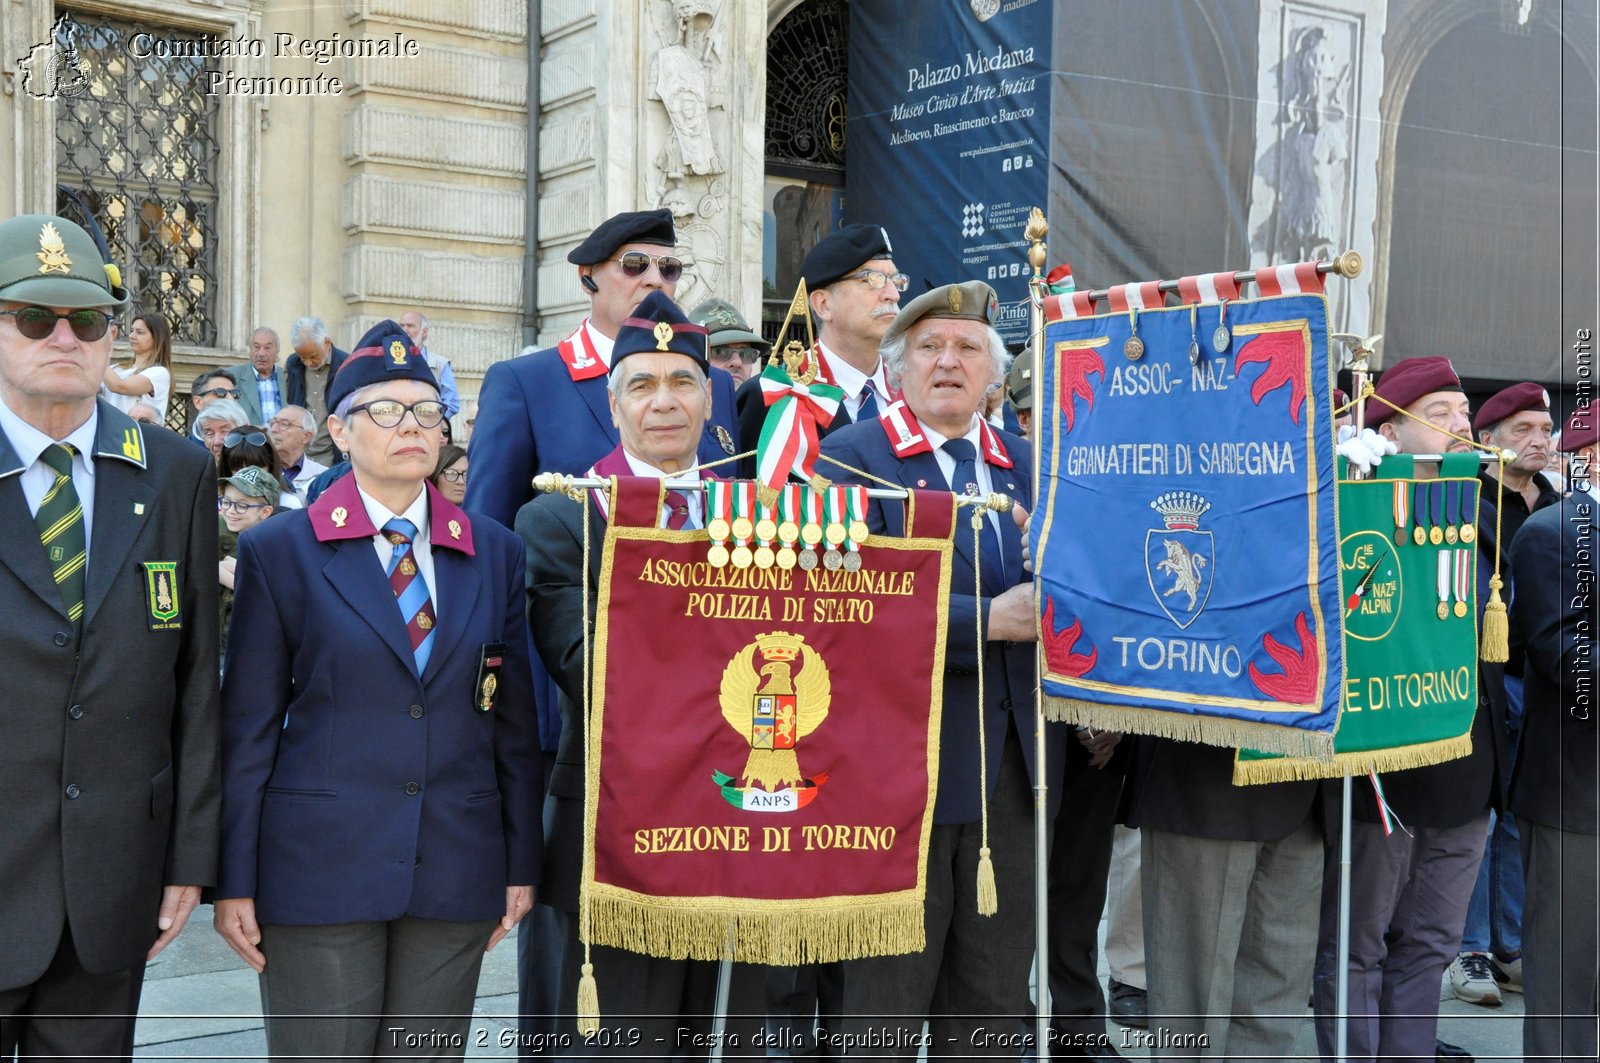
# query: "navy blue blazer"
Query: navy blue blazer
533,417
1009,672
353,790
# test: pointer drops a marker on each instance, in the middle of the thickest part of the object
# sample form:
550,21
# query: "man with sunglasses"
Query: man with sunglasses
854,291
549,411
733,346
111,787
210,386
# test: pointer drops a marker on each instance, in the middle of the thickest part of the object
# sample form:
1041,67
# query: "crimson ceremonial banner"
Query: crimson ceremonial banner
764,743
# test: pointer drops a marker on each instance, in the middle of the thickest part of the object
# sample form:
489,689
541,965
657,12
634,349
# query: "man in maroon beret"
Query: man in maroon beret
1428,389
1516,419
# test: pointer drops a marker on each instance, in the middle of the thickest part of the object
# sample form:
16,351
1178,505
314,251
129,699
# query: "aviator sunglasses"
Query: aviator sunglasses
37,322
635,263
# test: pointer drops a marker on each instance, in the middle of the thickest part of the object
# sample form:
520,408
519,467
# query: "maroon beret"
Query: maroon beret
1581,430
1407,381
1340,398
1514,399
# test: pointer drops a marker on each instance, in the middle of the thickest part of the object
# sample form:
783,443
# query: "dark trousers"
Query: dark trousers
1559,962
1080,861
801,1000
400,988
70,1013
1408,903
541,940
973,974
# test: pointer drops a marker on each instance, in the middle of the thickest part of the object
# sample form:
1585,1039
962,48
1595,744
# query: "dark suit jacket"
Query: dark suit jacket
250,397
1552,633
294,372
551,527
1009,673
353,790
533,417
108,789
1187,788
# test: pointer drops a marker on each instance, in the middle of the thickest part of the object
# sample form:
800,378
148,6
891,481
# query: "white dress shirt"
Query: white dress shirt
947,465
421,545
602,344
38,478
695,496
852,380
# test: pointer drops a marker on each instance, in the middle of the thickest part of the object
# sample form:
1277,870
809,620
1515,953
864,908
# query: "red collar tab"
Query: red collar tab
448,526
994,450
905,434
577,351
338,513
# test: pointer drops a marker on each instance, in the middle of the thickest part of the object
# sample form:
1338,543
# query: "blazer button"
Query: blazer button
412,789
416,712
72,791
62,638
76,712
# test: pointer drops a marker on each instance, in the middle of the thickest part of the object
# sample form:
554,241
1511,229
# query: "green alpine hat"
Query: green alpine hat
50,261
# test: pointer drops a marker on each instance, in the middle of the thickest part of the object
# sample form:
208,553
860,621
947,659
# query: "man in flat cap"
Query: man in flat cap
548,411
660,401
1410,888
110,787
1553,791
1516,419
944,353
733,346
854,292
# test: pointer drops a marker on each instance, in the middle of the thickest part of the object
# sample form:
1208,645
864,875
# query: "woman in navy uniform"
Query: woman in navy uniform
381,774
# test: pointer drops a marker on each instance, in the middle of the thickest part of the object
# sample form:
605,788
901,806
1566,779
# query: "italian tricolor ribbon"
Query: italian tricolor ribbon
788,441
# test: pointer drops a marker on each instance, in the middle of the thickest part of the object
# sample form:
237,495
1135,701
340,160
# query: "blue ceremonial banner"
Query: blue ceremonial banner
1187,560
949,138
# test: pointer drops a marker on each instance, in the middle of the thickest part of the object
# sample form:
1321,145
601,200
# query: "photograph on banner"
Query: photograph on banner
1408,573
1187,570
780,799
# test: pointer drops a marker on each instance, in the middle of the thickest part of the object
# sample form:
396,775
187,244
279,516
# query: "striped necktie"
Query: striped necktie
677,504
868,411
60,522
416,608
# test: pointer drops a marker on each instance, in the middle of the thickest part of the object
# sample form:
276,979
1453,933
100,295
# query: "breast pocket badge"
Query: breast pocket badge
490,660
161,595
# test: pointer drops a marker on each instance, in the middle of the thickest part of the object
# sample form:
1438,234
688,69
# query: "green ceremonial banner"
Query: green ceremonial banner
1408,578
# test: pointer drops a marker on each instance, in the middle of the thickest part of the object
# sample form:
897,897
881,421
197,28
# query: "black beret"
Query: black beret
659,325
841,253
633,227
384,353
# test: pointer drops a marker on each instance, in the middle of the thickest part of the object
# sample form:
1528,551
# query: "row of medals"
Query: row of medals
786,556
1436,536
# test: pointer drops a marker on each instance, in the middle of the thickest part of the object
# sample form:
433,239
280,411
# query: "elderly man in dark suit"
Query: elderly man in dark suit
1554,791
945,353
854,291
659,401
109,724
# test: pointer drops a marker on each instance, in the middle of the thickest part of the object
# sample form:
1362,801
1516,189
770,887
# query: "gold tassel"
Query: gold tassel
1496,644
988,895
588,1003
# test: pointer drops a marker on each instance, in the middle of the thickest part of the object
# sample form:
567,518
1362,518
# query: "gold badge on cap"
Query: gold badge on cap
455,529
339,516
663,335
52,251
955,299
397,352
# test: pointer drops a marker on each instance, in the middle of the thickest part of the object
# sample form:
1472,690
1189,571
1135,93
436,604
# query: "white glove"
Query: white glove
1364,451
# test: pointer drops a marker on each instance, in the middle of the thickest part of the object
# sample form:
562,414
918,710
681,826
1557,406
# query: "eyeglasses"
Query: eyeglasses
286,426
37,322
455,476
635,263
747,355
255,439
219,393
388,413
877,278
226,504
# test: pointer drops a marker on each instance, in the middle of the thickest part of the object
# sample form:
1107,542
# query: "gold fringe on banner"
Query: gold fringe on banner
1182,727
1299,769
782,933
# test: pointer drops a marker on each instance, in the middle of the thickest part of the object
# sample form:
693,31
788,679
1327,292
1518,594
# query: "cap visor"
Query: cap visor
61,291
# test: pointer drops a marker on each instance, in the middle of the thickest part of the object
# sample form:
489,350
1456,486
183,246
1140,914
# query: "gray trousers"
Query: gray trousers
1558,943
974,972
1408,905
1124,911
1229,942
403,988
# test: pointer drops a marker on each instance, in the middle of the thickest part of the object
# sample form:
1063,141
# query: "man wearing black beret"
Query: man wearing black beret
854,291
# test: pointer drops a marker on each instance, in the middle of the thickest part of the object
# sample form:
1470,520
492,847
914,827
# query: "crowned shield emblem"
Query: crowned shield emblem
1180,557
775,692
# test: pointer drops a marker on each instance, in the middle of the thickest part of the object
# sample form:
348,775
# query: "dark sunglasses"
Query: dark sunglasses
220,393
747,355
255,439
388,413
37,322
635,263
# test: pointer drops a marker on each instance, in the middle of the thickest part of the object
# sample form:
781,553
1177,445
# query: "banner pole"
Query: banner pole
567,485
719,1017
1347,265
1035,233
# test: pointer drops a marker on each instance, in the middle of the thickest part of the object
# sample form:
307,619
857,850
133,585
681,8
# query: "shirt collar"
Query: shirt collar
602,343
27,442
380,514
937,441
850,379
641,467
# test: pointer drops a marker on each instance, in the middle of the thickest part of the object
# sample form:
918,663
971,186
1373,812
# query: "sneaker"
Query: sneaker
1507,974
1472,979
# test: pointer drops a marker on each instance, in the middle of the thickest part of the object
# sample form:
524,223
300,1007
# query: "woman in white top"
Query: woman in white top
148,379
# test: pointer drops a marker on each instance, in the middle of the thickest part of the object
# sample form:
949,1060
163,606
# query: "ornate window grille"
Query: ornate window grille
806,76
138,150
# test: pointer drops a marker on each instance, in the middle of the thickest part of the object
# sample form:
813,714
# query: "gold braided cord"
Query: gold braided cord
987,899
588,1003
